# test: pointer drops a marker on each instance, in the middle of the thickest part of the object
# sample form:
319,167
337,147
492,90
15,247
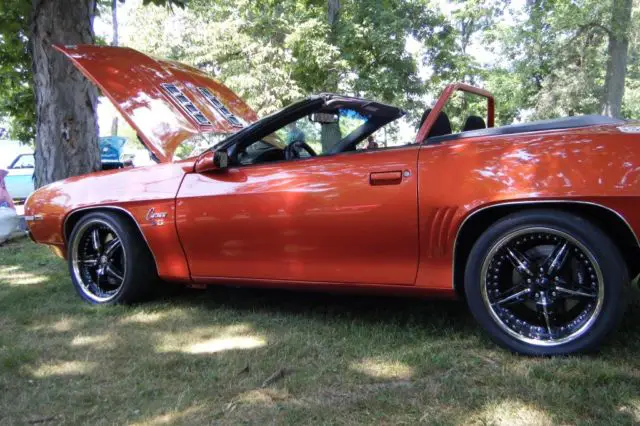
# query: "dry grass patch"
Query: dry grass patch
243,356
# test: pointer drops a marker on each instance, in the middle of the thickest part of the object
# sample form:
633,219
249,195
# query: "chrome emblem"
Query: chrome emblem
156,218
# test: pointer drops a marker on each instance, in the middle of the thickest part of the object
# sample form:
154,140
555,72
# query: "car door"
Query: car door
346,218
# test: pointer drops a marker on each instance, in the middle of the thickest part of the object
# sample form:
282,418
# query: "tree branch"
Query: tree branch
592,26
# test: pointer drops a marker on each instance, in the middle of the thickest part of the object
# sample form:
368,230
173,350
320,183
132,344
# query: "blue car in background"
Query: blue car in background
112,152
19,181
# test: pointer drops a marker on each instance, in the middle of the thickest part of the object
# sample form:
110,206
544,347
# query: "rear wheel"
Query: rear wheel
546,283
108,260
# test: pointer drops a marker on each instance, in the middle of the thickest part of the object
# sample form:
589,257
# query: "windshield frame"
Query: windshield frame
314,103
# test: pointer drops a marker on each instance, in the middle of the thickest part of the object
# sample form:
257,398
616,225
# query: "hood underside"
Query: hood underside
166,102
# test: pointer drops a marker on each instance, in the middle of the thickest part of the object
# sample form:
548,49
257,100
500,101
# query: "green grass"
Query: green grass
203,357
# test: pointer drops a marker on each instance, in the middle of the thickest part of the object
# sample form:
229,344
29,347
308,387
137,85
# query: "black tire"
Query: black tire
132,261
507,315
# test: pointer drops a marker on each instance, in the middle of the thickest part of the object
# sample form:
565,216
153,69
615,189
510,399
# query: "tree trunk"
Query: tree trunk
114,42
66,124
618,49
330,133
114,22
329,136
114,126
333,9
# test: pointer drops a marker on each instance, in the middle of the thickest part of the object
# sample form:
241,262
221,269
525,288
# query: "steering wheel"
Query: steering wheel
292,150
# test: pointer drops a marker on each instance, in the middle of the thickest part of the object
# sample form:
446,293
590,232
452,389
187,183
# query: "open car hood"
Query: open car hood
165,102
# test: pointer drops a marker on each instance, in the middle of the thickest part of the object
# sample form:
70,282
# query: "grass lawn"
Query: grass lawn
245,356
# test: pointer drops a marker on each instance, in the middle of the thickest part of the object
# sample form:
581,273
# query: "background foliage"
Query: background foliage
541,58
17,102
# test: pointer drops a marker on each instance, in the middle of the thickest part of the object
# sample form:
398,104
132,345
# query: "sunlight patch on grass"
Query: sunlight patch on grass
60,326
383,369
260,396
169,418
67,368
226,344
15,277
512,413
101,341
143,318
241,328
632,409
212,339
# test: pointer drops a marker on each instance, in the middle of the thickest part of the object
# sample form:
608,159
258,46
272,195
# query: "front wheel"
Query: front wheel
546,283
108,260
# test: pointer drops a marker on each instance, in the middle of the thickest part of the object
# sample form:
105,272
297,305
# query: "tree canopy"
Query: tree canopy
545,59
17,102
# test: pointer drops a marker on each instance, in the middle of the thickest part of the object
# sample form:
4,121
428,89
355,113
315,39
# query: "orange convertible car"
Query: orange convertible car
534,224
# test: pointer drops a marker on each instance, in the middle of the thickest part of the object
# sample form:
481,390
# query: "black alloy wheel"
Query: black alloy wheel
546,283
109,261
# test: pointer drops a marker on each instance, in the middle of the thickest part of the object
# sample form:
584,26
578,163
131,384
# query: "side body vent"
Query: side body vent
439,226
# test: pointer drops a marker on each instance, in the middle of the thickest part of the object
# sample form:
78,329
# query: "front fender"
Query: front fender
132,193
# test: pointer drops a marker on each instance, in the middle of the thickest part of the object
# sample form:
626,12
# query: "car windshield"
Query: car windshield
352,115
267,121
199,143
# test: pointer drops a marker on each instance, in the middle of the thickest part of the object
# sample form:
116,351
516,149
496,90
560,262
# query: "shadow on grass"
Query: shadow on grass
229,355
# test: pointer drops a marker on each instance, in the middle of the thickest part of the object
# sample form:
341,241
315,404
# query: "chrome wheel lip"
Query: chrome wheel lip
494,315
75,262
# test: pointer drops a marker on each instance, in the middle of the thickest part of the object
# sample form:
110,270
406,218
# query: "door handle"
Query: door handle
385,178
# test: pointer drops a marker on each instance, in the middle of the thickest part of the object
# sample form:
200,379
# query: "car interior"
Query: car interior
336,127
319,128
332,124
533,126
23,161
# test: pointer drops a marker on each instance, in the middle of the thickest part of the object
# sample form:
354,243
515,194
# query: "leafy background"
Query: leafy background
540,58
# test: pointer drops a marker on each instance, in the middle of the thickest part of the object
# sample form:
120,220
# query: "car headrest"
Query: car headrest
442,125
474,122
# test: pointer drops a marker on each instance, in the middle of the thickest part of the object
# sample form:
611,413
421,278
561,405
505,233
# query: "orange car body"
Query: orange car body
324,222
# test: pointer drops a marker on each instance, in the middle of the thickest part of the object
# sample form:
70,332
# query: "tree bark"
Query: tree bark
66,124
330,133
114,42
333,10
617,53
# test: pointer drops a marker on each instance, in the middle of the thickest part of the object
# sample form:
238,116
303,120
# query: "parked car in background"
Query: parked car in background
112,153
9,220
19,180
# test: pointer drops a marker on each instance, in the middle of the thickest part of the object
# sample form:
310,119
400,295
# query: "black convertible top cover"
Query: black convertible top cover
534,126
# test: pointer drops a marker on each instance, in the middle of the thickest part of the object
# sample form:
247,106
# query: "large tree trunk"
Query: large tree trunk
617,58
114,42
66,125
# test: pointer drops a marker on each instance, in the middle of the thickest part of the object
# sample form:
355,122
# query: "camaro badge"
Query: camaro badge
155,218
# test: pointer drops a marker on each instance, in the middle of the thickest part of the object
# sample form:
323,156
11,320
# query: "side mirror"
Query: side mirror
211,161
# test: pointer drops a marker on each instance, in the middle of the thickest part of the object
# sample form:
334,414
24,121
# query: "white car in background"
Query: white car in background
19,161
19,181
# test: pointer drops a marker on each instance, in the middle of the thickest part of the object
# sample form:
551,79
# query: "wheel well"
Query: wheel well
74,218
600,216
